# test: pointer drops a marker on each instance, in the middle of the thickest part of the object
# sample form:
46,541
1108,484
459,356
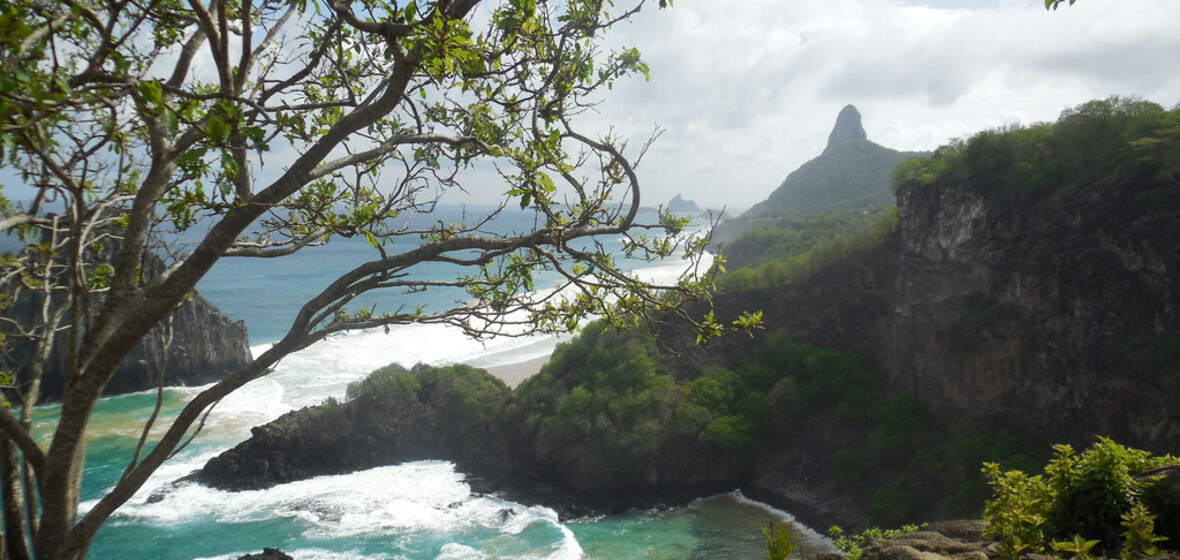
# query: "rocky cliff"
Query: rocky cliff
206,346
1052,314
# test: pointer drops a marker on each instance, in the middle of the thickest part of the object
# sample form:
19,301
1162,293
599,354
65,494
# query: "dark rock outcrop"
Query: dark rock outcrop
463,415
848,127
268,554
206,346
430,421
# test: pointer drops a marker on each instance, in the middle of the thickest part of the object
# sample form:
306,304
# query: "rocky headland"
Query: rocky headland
204,347
997,319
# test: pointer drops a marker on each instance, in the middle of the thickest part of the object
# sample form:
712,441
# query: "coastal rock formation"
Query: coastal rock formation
679,205
428,416
1051,316
205,347
268,554
463,415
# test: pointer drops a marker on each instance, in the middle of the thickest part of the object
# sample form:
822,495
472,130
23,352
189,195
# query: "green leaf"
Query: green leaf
171,122
217,128
151,92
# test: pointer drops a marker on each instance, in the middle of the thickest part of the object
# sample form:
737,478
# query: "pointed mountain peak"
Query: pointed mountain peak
847,127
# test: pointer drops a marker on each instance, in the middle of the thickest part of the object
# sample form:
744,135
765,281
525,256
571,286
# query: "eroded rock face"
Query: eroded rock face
206,346
1053,316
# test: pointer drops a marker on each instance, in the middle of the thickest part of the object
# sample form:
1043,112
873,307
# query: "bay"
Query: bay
421,510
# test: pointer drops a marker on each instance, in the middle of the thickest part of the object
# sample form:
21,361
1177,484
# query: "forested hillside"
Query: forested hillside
1013,300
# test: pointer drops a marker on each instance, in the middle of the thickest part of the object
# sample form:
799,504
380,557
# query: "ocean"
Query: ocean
420,510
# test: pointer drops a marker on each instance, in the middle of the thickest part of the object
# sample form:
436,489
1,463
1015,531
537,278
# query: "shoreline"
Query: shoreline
515,373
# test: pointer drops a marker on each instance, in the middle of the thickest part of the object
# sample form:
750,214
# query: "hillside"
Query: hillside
1028,297
852,174
1023,297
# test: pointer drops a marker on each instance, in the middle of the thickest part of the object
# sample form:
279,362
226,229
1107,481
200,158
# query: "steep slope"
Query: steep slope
851,173
206,346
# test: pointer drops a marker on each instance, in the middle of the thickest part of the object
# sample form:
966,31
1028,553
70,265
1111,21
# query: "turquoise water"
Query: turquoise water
422,510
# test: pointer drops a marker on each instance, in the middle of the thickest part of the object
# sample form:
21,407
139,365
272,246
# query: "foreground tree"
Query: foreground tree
132,120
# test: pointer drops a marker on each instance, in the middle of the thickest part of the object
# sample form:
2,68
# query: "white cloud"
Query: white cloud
749,90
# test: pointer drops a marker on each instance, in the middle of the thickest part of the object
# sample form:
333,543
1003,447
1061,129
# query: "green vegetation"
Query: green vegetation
604,398
469,395
1094,140
1104,499
792,236
854,545
847,176
780,539
794,253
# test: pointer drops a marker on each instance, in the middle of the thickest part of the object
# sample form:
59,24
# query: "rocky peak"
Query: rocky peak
848,127
681,206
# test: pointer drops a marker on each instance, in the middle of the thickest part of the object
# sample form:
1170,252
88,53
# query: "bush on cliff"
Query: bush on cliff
1107,499
472,394
1096,139
605,411
792,236
795,253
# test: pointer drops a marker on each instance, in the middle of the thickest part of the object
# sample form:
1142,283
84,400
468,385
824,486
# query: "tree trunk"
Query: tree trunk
12,489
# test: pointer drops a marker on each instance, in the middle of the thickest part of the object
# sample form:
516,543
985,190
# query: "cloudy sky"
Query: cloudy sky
748,90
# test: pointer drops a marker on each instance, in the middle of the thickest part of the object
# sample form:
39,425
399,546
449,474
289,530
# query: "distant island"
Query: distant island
679,205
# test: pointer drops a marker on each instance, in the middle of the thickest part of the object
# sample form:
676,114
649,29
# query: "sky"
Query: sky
748,90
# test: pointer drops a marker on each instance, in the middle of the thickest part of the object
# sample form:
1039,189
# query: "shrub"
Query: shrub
854,545
1096,495
780,539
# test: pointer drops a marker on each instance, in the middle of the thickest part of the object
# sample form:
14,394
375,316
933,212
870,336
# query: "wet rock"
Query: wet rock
268,554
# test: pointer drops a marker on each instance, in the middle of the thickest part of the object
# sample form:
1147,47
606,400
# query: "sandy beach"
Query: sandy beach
513,374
